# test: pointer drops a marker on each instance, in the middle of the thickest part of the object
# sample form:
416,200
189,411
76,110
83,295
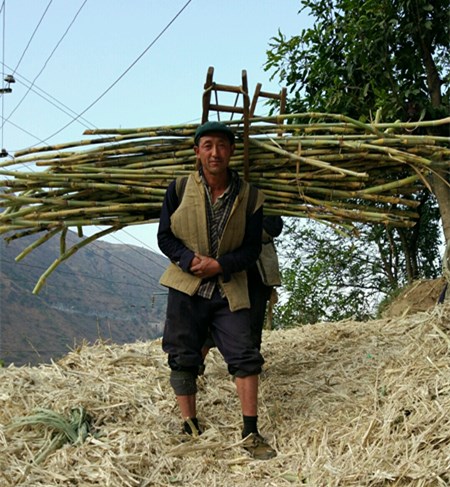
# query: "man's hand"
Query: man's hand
204,267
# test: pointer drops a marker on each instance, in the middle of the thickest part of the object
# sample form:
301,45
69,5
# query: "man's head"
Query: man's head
214,146
213,127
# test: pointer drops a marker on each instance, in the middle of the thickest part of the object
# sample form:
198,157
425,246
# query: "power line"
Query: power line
57,104
115,237
123,74
20,128
134,249
104,93
139,275
32,35
128,267
97,278
48,98
46,62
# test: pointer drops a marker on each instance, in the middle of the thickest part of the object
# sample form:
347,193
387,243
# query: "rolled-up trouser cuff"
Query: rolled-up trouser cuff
243,373
183,383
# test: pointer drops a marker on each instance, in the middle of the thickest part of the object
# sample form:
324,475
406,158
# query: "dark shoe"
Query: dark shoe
258,447
192,428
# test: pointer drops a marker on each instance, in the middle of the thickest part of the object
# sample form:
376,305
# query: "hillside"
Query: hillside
345,404
106,291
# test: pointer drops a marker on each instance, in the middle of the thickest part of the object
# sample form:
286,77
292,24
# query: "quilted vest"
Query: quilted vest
189,224
267,262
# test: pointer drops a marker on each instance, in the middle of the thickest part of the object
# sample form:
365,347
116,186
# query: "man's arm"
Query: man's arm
273,225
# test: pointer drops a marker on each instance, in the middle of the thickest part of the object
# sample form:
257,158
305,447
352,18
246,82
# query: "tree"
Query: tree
361,56
328,276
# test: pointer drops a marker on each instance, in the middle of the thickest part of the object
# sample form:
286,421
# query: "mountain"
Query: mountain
103,292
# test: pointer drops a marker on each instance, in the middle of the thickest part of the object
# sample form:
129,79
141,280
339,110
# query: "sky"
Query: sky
135,63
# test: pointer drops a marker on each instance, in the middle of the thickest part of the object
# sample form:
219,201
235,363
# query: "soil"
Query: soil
419,296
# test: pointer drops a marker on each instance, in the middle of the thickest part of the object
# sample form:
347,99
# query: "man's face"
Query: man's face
214,151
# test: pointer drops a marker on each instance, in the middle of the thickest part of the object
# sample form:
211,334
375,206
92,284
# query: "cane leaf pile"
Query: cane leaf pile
322,166
345,404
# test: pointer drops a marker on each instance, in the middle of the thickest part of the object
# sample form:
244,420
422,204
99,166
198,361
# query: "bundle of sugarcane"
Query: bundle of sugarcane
331,168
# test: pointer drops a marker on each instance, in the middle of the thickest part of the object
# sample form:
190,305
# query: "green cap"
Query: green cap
208,127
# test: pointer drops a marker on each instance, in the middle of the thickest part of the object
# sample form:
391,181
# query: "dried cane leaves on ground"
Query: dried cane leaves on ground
344,404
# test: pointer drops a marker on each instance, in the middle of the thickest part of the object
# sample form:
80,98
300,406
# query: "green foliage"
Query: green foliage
326,276
360,57
363,55
74,429
329,276
417,249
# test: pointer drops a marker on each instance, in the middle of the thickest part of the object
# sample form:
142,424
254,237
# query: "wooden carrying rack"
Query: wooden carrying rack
246,110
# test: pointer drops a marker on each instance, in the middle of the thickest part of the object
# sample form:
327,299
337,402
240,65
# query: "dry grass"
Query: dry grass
345,404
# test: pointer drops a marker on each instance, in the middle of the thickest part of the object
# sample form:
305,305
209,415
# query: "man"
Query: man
211,238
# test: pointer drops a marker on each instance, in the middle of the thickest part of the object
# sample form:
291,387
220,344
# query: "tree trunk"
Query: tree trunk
441,188
440,182
442,191
408,253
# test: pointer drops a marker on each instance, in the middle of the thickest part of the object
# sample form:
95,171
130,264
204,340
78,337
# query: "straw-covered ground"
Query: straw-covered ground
344,404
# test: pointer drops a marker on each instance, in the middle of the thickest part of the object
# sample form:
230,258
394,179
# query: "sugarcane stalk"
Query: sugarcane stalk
392,185
349,121
295,188
36,244
70,252
307,160
96,211
62,241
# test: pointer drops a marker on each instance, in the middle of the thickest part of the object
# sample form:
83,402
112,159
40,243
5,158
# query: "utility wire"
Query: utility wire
137,275
153,261
79,116
128,266
123,74
32,35
90,276
48,98
103,94
46,62
21,129
51,99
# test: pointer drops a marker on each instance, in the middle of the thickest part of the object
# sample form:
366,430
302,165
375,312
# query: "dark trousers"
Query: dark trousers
187,323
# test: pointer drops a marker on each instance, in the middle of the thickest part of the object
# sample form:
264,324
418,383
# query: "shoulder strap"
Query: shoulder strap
251,202
180,185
